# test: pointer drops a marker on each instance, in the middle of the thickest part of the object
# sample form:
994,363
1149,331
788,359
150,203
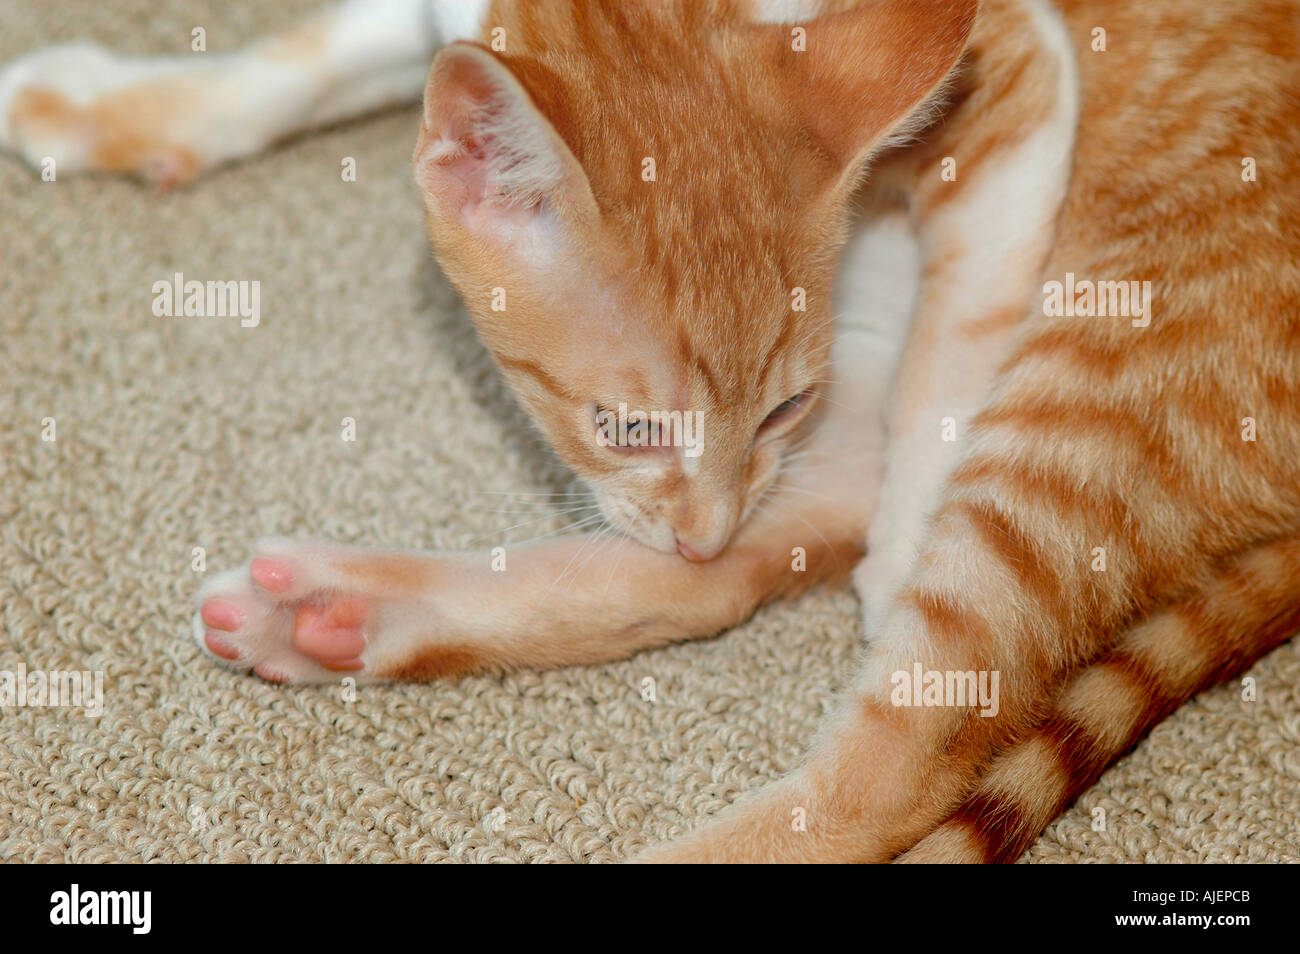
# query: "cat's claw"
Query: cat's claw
280,618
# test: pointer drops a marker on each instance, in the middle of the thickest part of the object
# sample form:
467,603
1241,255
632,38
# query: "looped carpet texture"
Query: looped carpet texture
177,433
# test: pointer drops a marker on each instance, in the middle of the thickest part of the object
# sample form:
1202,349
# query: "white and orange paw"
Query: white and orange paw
285,616
77,107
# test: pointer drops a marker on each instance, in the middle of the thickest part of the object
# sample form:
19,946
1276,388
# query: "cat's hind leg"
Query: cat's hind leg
80,107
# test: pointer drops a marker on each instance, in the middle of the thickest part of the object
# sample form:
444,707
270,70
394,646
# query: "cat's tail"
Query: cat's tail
1249,607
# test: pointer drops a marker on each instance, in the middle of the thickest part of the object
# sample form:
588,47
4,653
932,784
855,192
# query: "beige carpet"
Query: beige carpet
174,433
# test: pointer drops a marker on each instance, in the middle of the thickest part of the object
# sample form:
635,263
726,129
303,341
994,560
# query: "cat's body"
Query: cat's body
985,465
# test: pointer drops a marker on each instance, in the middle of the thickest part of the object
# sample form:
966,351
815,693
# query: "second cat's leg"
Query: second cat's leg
166,119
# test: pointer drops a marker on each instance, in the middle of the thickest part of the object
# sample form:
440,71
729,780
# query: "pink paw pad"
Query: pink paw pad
332,635
222,615
272,575
219,648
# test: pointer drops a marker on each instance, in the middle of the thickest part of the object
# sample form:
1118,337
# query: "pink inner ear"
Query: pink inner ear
452,169
485,156
456,158
470,167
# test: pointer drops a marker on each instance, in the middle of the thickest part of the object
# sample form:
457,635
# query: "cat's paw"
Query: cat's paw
78,107
288,616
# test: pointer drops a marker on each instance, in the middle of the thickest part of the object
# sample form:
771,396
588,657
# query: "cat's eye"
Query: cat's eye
787,405
787,410
623,432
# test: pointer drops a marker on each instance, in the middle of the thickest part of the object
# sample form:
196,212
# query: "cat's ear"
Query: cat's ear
858,78
487,159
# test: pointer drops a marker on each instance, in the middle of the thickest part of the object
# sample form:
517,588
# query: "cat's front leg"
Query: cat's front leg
307,613
985,233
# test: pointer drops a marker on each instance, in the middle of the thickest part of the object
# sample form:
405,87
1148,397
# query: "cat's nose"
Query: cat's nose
703,525
697,555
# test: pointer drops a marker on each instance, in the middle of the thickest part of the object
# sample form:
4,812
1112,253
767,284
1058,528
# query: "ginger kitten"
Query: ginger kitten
833,231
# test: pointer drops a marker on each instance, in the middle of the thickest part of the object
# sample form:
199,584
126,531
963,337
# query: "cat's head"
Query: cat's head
641,206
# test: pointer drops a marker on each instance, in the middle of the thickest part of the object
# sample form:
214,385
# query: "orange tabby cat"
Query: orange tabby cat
1006,303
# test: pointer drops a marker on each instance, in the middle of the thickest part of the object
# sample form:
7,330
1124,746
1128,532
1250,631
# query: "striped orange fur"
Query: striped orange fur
1241,612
